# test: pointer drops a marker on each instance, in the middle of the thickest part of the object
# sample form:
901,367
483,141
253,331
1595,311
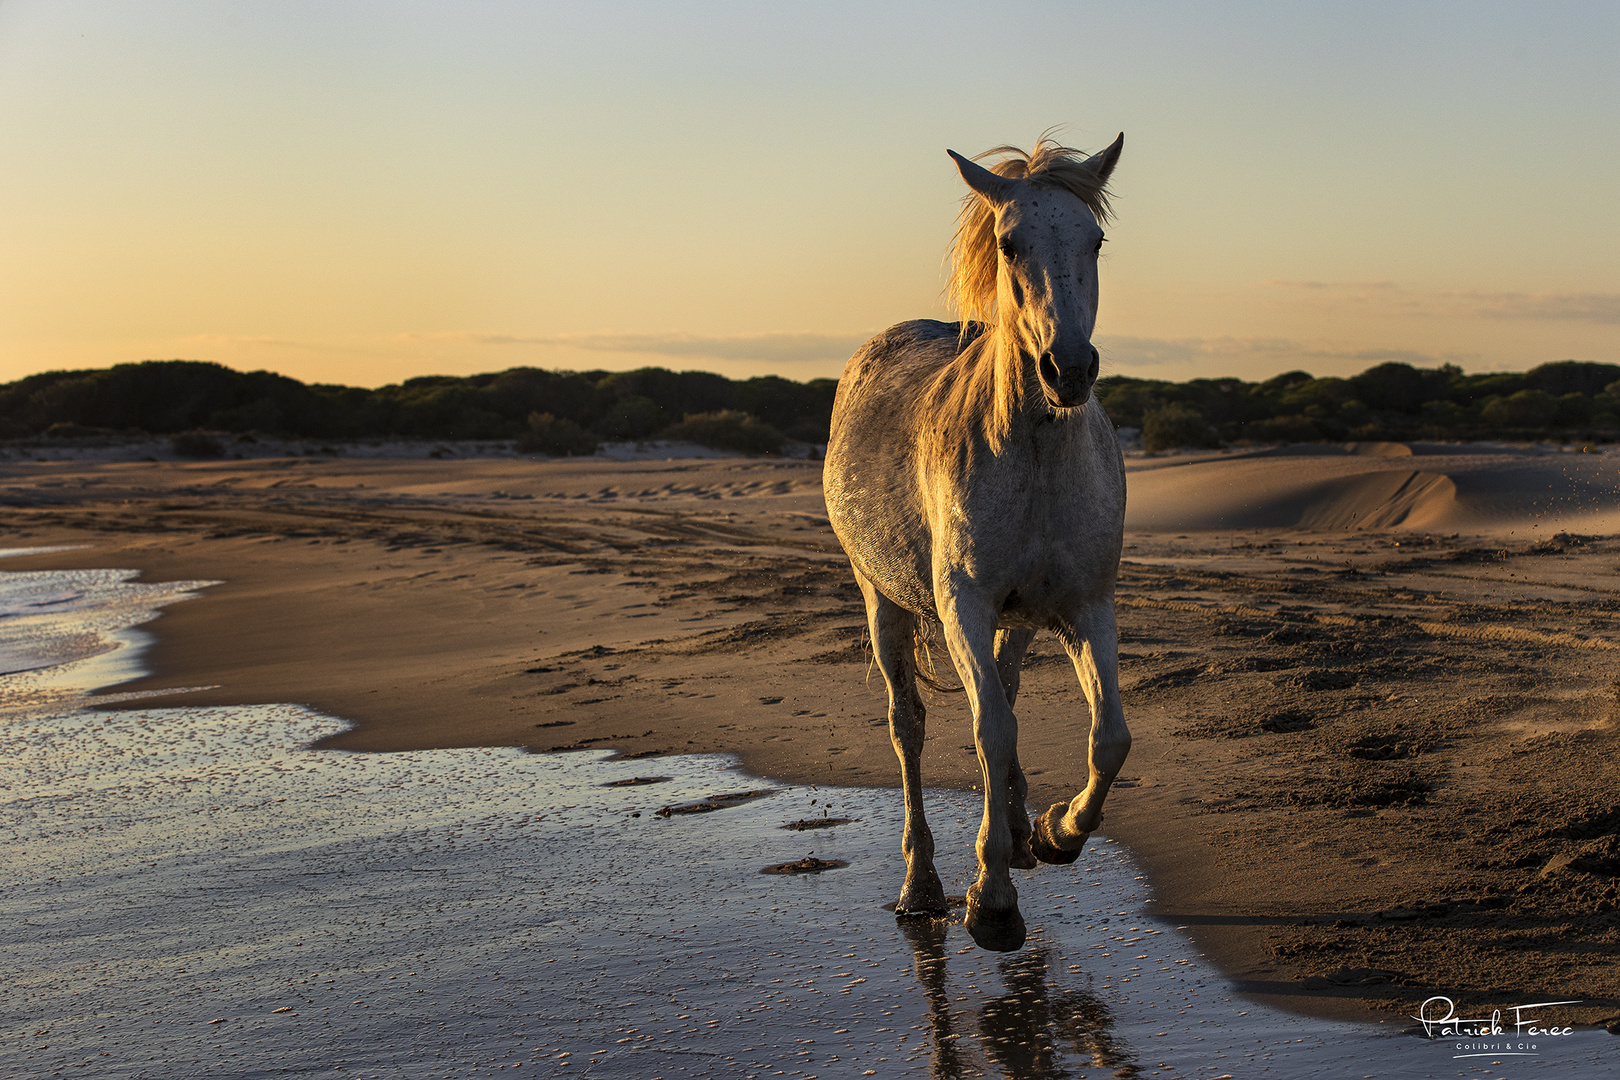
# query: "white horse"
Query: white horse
973,480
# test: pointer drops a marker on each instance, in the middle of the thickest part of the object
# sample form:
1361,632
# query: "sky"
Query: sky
360,192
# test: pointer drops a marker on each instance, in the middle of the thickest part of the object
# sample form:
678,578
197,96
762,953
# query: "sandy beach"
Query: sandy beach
1373,689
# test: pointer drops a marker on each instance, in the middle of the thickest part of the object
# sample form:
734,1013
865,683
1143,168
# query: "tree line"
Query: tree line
570,412
170,397
1392,401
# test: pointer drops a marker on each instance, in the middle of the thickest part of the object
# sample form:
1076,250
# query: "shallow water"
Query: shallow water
65,631
193,892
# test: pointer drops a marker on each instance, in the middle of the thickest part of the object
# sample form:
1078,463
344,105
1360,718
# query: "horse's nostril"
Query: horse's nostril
1049,371
1096,359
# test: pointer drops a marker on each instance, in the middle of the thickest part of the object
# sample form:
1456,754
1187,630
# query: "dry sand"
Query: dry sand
1373,692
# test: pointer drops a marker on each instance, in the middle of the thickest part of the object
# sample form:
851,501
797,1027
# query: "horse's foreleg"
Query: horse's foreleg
893,635
992,902
1011,645
1092,640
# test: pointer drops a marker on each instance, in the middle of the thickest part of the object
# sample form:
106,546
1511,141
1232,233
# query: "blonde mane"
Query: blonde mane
971,291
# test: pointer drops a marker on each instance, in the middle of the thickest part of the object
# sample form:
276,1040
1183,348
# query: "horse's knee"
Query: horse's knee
994,846
907,730
1108,752
1017,786
907,745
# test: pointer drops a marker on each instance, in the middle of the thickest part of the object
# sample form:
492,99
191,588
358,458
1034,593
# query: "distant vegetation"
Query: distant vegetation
554,412
560,413
1394,402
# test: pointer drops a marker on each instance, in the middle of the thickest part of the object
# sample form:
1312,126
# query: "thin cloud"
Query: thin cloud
249,341
770,348
1219,356
1601,308
1393,299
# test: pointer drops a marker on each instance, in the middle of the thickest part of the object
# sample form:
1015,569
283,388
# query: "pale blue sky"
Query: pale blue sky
362,192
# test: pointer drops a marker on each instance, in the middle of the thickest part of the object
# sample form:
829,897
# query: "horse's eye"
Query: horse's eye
1101,240
1007,249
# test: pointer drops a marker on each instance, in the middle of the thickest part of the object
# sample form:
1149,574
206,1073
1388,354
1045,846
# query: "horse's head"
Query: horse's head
1026,257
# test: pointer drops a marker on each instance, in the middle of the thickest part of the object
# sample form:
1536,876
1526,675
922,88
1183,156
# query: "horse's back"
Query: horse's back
900,362
884,387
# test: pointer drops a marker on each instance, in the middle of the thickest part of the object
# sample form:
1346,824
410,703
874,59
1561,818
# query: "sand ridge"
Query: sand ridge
1370,763
1439,487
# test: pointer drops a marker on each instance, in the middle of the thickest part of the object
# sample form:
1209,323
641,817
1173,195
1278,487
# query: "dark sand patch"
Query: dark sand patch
637,781
712,803
817,823
807,865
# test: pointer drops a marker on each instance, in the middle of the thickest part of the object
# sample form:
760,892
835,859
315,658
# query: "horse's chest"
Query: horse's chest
1042,560
1038,558
1044,588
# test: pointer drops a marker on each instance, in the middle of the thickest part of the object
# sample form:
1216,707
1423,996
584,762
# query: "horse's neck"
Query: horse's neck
990,391
1019,405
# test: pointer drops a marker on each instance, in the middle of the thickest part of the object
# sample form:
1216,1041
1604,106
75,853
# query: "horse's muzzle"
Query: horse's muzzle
1068,382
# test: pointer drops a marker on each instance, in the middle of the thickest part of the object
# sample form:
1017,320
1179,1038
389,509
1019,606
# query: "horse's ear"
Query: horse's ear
995,189
1103,161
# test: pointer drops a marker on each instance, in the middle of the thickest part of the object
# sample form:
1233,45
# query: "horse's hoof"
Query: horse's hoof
998,931
1023,856
921,906
922,899
1043,839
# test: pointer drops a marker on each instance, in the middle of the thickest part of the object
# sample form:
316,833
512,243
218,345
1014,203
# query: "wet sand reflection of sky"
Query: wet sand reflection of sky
199,870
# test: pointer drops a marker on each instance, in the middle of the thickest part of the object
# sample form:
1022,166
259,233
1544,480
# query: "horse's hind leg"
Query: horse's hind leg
1092,640
1011,645
894,632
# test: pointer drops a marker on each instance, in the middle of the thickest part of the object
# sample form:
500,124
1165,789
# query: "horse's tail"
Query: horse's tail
923,659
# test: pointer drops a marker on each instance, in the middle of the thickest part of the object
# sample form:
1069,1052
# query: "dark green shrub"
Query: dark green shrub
1444,418
555,436
1526,409
1575,409
1127,400
1316,396
1170,426
810,431
1396,387
727,430
633,417
1570,377
197,444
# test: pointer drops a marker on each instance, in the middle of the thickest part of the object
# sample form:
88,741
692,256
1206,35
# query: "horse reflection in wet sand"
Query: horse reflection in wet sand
1027,1031
973,480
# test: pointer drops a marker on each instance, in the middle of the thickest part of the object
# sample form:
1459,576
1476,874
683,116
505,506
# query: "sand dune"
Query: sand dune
1442,488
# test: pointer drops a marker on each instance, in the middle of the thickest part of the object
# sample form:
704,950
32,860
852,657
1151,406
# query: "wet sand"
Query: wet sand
1371,764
